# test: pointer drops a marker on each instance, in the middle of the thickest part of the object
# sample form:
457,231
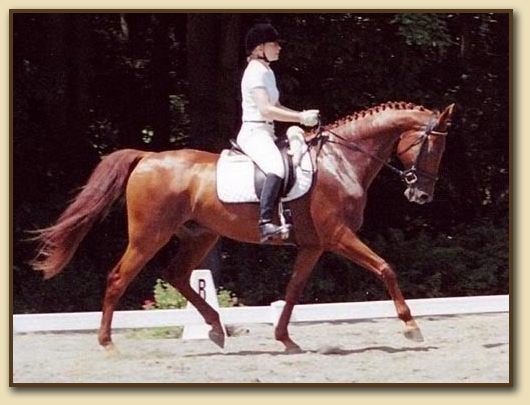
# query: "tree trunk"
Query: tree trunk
228,97
202,74
129,103
459,167
54,76
76,141
160,78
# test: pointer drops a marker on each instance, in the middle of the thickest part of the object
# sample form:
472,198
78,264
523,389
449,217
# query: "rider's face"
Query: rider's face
271,50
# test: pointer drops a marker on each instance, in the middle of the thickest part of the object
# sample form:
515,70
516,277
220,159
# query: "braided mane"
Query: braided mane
390,105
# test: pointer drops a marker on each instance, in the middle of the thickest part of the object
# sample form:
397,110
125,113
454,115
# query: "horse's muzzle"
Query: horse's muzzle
418,196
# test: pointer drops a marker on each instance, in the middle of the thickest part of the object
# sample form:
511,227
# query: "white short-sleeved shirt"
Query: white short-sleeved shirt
257,75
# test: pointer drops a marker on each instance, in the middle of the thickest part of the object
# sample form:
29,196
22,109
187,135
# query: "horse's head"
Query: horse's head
420,150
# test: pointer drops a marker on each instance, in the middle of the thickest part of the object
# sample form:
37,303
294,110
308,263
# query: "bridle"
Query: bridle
409,176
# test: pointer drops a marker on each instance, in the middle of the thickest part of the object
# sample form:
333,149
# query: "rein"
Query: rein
408,176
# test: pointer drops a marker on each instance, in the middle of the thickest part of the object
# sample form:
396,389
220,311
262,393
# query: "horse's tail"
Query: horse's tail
105,186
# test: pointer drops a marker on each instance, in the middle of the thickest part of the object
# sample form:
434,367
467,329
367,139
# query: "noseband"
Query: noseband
409,176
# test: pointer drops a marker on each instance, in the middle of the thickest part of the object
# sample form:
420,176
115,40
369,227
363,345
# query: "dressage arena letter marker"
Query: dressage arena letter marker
202,289
202,282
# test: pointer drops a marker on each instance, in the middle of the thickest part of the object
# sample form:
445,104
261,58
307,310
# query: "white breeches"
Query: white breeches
257,141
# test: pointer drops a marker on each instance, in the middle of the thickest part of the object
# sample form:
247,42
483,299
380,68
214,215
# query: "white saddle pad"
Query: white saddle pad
235,178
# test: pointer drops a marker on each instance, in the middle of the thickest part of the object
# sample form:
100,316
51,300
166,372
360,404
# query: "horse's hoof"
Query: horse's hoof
413,332
291,347
293,350
111,350
217,338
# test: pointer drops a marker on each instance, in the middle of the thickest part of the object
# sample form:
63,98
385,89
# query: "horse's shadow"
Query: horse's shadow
331,352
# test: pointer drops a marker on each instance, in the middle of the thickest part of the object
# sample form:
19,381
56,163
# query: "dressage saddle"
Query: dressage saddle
259,176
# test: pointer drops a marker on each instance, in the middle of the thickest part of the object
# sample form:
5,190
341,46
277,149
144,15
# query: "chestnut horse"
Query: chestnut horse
174,193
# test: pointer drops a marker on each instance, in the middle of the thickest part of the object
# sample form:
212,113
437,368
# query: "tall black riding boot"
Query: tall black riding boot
268,201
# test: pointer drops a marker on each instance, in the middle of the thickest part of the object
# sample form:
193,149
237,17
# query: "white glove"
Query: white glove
309,118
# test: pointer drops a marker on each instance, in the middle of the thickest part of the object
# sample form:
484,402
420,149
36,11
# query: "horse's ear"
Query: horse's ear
444,119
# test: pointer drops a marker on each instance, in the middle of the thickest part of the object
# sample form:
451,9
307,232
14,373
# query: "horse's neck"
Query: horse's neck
353,168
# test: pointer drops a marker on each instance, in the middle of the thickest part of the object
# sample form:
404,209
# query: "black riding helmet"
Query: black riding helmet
260,34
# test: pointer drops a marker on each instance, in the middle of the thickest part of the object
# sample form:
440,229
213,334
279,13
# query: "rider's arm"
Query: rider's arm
273,112
285,108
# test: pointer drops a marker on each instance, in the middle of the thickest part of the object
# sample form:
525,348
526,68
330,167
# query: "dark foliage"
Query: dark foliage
86,85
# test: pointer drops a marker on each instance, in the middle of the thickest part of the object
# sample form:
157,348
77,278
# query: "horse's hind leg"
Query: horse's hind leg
139,251
192,249
352,247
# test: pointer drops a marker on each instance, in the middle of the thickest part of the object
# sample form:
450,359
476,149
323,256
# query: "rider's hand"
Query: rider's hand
309,118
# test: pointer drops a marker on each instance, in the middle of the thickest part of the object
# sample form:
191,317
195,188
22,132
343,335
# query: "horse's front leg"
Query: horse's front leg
305,261
351,247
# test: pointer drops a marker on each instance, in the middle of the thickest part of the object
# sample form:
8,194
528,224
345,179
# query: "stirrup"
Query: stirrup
284,230
273,232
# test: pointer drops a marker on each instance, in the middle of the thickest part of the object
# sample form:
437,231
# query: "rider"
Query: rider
261,106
